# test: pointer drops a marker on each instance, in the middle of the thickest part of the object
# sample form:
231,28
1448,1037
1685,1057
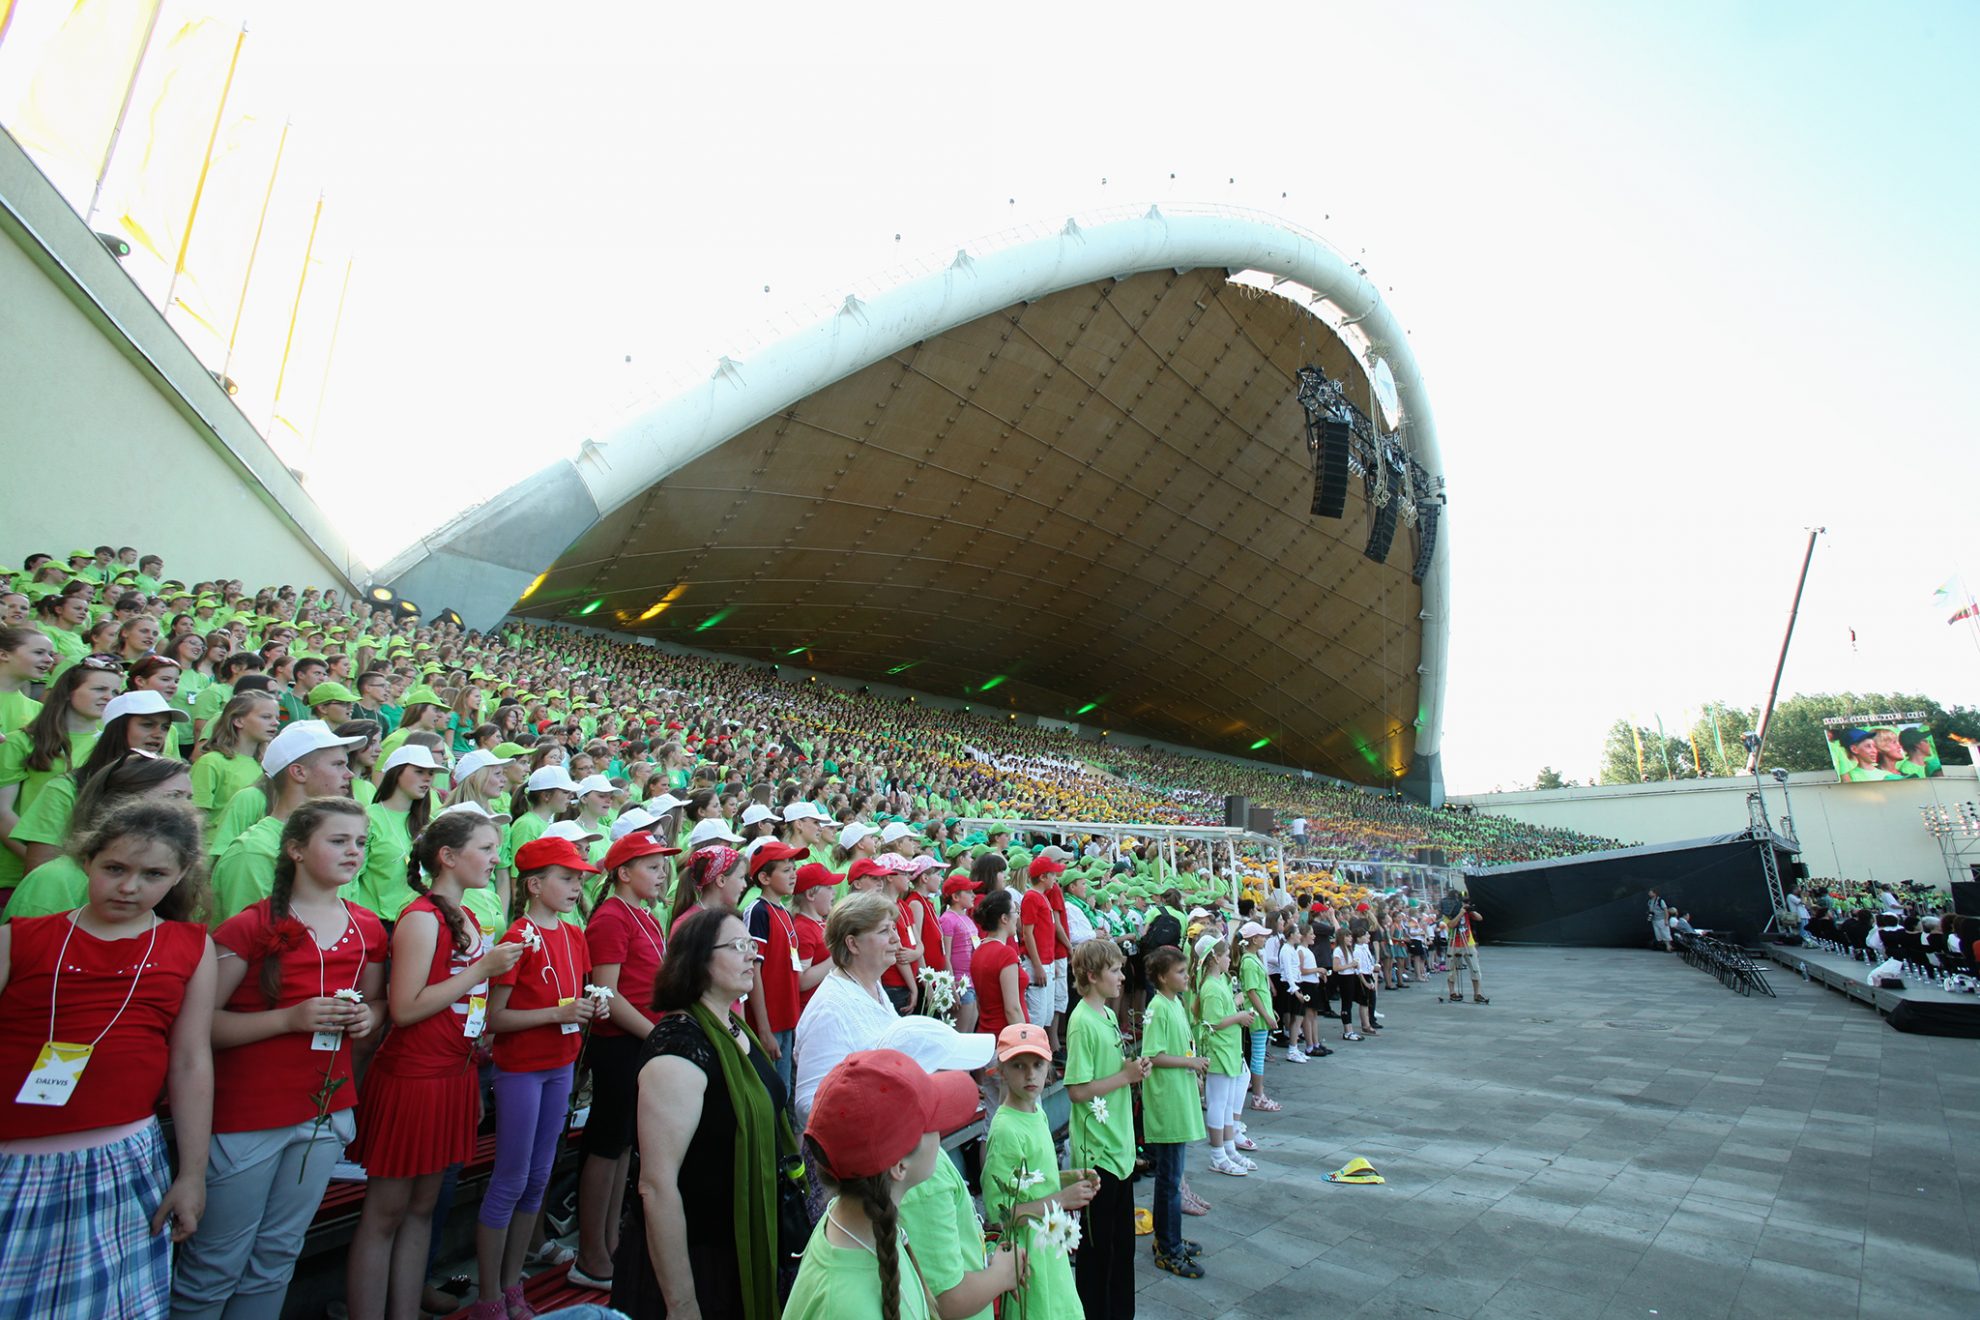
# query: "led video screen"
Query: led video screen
1872,748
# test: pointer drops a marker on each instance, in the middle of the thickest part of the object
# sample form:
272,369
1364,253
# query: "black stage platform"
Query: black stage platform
1601,900
1916,1008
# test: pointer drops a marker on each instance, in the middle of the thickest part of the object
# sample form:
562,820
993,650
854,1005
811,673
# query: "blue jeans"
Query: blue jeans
786,1046
1167,1157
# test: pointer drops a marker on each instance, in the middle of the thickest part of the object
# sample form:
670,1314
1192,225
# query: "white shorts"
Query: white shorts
1061,977
1038,1002
1223,1098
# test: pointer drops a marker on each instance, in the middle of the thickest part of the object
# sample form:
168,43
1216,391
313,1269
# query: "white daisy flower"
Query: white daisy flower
1026,1179
349,995
1058,1230
1098,1107
600,994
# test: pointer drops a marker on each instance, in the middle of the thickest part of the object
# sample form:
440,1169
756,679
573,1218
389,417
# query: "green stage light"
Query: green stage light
714,619
1260,743
591,608
993,682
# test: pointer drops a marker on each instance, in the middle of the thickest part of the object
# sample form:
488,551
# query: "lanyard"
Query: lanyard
350,925
550,971
644,926
55,981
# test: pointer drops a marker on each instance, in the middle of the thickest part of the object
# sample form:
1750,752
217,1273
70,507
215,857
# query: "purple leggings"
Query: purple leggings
529,1117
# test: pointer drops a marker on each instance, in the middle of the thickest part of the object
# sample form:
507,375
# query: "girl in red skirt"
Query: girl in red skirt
102,1010
420,1103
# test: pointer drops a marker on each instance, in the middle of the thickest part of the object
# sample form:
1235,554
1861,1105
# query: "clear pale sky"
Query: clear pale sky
1684,279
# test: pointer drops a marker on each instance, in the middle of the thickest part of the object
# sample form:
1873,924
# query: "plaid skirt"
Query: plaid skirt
75,1233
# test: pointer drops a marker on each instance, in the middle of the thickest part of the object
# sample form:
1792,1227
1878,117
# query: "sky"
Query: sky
1684,280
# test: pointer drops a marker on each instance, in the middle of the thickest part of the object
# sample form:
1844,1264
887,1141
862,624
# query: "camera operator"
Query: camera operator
1458,919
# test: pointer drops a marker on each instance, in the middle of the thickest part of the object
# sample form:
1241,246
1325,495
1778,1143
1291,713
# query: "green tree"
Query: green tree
1551,778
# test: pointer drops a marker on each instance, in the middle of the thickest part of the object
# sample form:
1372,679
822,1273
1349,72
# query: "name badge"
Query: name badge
796,964
56,1072
567,1028
477,1017
326,1040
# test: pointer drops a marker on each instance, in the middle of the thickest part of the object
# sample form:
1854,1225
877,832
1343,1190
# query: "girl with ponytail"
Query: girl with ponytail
712,878
282,1044
420,1102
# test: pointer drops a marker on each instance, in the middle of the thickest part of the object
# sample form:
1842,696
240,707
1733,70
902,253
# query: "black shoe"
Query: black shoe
1279,1038
1182,1267
1188,1248
1480,999
1318,1052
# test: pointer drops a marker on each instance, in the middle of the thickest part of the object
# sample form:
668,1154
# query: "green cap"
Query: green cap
509,750
331,690
421,696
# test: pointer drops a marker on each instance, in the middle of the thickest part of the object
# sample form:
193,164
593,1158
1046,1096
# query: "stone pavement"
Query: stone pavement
1615,1134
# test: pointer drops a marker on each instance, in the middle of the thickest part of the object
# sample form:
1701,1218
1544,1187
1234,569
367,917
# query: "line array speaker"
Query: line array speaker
1382,531
1330,470
1237,812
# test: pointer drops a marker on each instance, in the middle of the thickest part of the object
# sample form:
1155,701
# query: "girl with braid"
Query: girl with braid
419,1105
857,1254
282,1086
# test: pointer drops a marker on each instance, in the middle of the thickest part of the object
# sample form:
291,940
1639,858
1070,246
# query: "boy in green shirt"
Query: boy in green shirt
1098,1079
1171,1116
1018,1159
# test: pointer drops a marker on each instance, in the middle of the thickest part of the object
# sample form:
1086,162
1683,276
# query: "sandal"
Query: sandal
583,1279
1265,1105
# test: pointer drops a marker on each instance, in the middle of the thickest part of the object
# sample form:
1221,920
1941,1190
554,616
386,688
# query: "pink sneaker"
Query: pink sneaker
518,1308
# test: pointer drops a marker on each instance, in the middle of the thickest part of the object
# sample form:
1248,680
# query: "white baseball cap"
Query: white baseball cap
637,818
296,740
663,804
711,831
937,1046
757,813
142,703
804,811
550,776
749,850
570,829
594,784
895,832
850,836
416,755
472,809
477,760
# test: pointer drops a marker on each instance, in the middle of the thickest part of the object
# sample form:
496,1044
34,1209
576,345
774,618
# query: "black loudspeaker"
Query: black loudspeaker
1263,820
1382,531
1966,898
1427,515
1330,470
1795,871
1431,857
1237,812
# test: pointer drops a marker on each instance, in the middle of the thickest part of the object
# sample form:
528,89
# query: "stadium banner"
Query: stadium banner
1868,748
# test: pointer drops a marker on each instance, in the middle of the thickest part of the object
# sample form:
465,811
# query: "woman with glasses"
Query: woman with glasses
60,737
713,1131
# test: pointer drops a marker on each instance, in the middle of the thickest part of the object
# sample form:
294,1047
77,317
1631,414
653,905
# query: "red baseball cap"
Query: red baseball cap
630,848
539,853
864,866
1043,865
956,884
813,874
772,852
1023,1038
883,1082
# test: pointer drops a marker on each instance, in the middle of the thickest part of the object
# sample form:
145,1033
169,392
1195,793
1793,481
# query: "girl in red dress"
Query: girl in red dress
420,1104
301,973
102,1010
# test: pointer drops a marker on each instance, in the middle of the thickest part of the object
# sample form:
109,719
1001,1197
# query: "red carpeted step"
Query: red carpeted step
549,1289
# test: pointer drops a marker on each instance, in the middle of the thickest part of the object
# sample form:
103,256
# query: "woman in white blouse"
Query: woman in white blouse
849,1011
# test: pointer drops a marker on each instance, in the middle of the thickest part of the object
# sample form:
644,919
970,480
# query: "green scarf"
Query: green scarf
755,1179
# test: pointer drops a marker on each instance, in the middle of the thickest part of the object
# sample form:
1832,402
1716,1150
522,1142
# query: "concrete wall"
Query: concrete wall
112,431
1871,832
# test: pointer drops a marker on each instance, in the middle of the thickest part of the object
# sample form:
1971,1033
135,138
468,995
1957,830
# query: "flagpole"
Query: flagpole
205,164
123,111
288,343
255,247
330,358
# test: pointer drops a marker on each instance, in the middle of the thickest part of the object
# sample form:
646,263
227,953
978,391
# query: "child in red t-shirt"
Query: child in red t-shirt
811,903
773,1004
538,1011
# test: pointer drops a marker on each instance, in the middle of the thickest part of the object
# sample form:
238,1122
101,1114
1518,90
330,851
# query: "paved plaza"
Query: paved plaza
1615,1134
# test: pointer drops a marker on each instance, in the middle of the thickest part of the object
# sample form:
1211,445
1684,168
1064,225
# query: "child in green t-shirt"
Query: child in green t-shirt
1023,1187
1171,1116
1218,1021
1098,1079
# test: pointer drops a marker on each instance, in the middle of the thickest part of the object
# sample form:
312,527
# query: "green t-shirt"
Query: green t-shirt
381,885
13,770
939,1218
191,684
843,1283
244,873
55,886
1093,1052
1171,1109
1020,1146
217,776
242,810
212,699
485,906
17,711
364,792
1224,1046
526,828
47,821
1251,977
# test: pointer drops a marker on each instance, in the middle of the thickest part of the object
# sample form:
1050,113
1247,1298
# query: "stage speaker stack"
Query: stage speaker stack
1263,820
1966,898
1382,530
1330,470
1237,812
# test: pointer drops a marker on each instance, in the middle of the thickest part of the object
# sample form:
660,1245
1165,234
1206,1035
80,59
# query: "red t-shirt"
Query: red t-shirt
777,929
544,977
1055,894
908,931
269,1083
626,934
812,950
438,1046
125,1075
1035,912
930,934
986,968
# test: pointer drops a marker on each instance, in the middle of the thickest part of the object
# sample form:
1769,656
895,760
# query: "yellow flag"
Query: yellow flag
67,74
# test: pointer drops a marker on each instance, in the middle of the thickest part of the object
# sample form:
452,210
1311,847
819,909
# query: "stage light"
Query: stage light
994,682
714,619
591,608
451,617
226,383
1780,775
380,595
1091,705
406,609
1260,743
118,247
536,582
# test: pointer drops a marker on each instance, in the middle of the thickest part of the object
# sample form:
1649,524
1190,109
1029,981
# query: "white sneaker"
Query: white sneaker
345,1171
1222,1164
1295,1055
1378,1017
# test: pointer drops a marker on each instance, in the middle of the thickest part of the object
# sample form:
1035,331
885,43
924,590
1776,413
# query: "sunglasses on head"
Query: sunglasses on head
109,664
